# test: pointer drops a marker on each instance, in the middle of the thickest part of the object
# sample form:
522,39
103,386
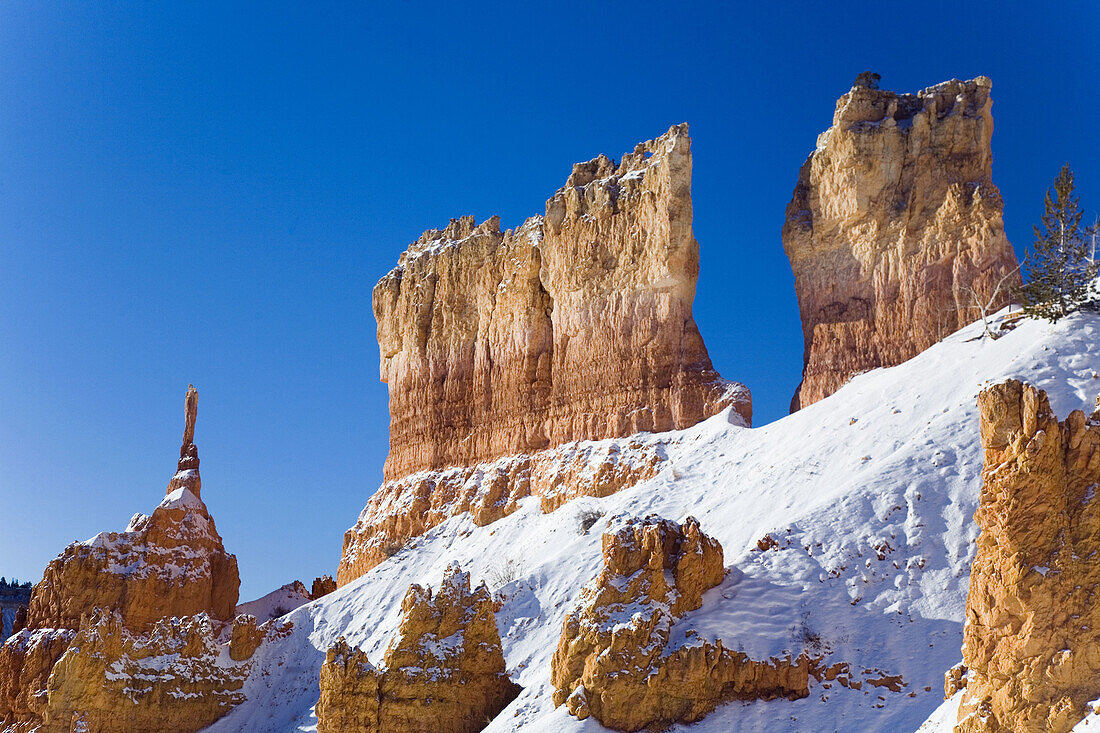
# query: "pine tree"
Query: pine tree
1061,266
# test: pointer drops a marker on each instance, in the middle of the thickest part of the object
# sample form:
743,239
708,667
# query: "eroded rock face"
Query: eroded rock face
1031,644
614,660
172,563
26,660
447,650
575,326
893,222
170,679
410,506
131,630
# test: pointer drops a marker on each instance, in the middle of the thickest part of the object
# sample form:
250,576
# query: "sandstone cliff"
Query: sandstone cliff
135,630
614,660
444,669
1032,637
507,352
895,230
575,326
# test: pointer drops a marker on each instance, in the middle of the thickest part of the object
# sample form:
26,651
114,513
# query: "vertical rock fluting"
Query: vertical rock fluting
614,660
504,350
444,669
1031,643
575,326
895,230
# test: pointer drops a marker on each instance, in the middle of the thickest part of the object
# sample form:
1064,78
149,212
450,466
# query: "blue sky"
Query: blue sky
206,192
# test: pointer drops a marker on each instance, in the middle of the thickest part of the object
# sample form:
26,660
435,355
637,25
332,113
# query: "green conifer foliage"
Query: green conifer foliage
1061,265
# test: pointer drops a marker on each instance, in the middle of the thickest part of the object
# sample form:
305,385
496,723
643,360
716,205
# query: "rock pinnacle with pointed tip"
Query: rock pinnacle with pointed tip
187,470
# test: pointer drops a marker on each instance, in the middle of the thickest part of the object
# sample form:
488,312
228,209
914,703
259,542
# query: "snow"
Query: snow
868,494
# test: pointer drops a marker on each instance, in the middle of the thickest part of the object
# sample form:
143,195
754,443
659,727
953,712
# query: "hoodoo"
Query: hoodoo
1032,626
134,630
576,326
894,231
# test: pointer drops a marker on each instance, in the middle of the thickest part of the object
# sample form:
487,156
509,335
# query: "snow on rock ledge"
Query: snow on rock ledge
617,659
410,506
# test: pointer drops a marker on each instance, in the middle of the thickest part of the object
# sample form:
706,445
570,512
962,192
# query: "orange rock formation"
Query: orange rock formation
614,660
1031,644
444,670
575,326
894,230
505,352
172,563
126,631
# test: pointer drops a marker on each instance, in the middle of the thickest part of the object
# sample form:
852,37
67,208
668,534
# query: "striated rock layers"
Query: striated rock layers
444,670
575,326
1031,643
614,660
894,231
134,630
507,353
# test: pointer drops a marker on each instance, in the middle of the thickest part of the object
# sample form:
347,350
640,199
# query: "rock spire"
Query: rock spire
187,470
894,231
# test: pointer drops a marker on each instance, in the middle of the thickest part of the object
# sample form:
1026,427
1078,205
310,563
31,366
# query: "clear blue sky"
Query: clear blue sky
192,192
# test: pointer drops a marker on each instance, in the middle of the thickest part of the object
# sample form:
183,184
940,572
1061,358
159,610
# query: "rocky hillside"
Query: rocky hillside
499,347
846,528
894,231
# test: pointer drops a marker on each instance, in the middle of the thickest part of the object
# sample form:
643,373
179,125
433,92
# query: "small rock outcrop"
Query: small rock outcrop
1031,645
895,230
135,630
614,660
322,586
446,651
575,326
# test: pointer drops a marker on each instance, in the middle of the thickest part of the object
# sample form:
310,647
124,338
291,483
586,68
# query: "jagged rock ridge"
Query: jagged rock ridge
895,231
443,671
1031,645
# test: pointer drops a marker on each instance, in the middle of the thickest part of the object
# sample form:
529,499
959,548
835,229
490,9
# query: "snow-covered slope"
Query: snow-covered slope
869,494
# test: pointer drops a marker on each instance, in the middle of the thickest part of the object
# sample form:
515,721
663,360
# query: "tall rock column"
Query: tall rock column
575,326
895,230
135,630
1031,643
